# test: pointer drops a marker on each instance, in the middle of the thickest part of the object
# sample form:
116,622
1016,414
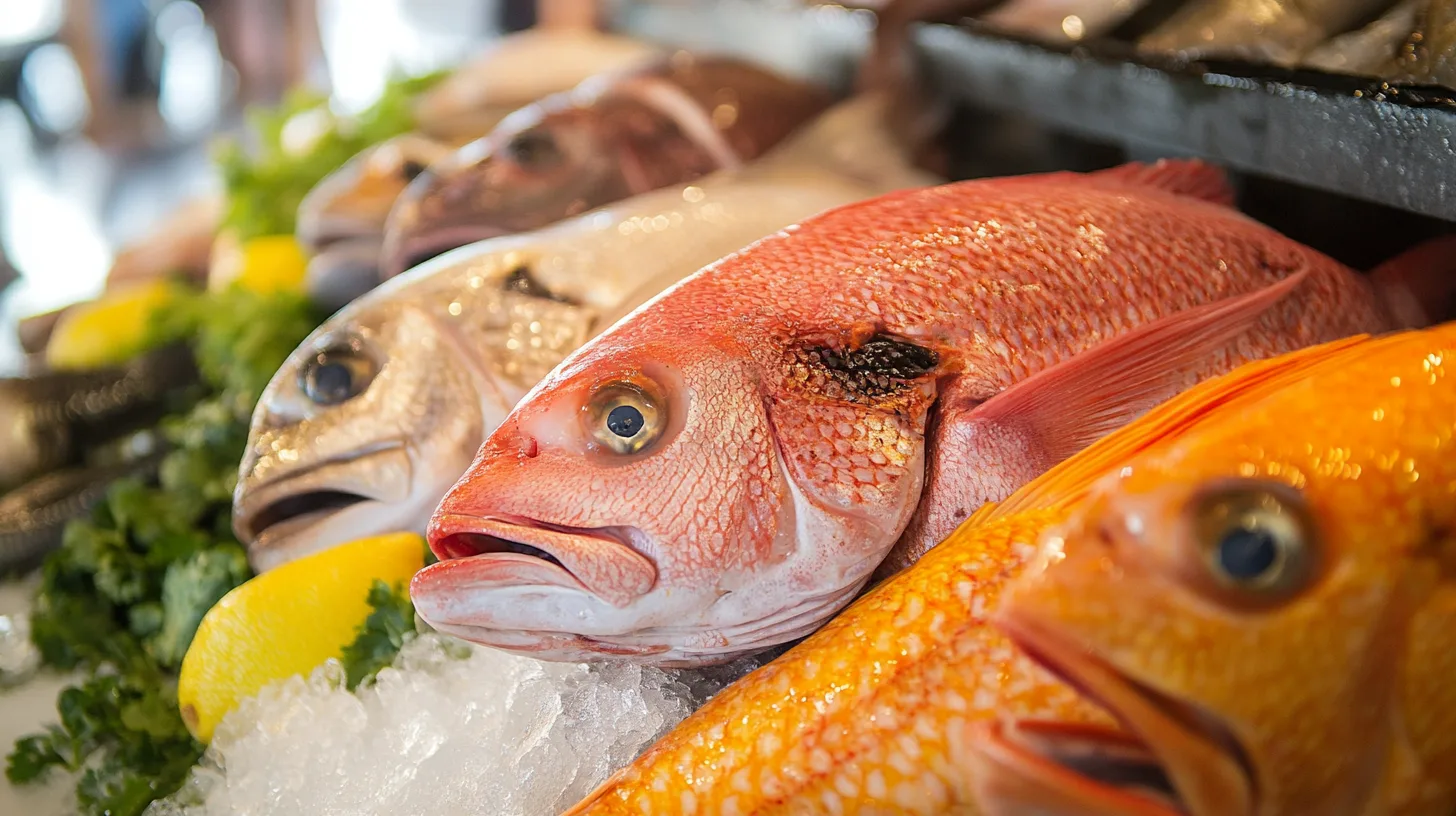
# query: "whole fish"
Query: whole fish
724,469
871,714
53,420
341,220
1274,31
33,517
517,70
1265,604
614,136
378,413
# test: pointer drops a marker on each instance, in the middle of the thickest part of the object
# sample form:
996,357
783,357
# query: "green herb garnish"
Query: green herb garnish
382,635
265,186
122,598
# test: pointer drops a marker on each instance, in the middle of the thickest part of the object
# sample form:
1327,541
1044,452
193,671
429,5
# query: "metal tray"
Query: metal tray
1391,146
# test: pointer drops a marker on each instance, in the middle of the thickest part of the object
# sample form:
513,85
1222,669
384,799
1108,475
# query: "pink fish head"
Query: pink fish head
640,503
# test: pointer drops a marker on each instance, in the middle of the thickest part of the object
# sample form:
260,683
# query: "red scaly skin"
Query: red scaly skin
773,487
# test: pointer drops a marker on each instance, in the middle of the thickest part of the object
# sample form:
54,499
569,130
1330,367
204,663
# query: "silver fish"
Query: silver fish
375,416
1274,31
56,419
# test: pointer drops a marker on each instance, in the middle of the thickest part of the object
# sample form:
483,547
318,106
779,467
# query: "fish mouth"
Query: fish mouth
299,510
1171,758
318,233
272,518
478,552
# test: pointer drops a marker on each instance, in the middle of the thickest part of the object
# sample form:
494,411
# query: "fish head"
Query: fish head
543,163
641,503
380,410
352,202
616,135
1257,602
341,220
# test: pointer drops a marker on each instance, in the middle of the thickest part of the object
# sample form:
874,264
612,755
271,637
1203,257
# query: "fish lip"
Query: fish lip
551,645
572,549
251,501
1224,775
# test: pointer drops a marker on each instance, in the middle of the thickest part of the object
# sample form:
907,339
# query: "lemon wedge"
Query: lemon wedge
109,330
287,621
267,264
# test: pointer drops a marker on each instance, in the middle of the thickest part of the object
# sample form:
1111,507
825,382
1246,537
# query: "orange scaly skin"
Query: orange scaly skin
775,489
1333,672
867,715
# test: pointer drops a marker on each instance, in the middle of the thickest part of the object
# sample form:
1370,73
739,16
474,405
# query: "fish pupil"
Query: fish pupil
625,421
534,149
332,382
1246,553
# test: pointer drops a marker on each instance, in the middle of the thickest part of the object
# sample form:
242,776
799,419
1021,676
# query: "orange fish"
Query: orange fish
724,469
1267,605
872,713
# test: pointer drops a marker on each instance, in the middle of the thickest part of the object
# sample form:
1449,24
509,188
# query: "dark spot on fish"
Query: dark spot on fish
411,169
879,368
522,282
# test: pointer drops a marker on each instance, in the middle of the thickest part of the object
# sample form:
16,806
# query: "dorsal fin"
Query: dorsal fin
1068,481
1185,177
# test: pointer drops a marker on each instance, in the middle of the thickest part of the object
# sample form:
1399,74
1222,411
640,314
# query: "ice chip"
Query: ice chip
450,728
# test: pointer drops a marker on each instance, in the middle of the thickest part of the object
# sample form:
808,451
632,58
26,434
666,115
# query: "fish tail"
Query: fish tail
1418,286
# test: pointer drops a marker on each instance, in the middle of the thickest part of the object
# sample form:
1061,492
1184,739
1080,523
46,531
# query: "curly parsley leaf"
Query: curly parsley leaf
382,634
297,145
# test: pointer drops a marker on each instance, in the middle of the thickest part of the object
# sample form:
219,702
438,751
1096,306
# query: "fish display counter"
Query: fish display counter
910,407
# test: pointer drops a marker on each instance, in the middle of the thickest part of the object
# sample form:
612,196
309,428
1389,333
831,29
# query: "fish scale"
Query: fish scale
863,717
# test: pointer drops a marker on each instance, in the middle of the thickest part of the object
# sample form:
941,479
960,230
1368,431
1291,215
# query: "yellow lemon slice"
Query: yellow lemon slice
267,264
287,621
109,330
273,263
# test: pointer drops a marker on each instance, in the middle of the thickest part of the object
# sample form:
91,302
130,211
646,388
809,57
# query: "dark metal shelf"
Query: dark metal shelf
1336,134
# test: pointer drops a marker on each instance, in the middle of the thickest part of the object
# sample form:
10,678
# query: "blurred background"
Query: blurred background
107,108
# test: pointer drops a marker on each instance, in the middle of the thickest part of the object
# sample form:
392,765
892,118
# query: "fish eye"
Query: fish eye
534,149
335,375
625,416
1255,539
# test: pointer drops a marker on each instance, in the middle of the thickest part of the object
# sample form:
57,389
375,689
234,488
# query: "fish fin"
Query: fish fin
985,452
1066,482
1106,386
1418,286
1185,177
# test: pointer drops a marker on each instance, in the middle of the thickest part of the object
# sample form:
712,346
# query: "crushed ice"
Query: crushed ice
435,734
